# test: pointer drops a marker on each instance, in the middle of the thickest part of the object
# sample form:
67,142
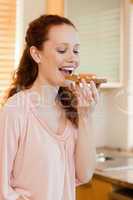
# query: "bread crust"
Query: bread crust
88,77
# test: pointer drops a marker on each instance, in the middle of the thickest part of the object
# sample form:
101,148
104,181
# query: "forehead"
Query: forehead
63,34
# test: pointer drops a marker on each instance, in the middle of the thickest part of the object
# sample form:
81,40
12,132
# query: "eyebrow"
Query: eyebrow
66,44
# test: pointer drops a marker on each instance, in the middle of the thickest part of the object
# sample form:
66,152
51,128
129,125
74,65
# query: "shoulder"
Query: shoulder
15,106
14,116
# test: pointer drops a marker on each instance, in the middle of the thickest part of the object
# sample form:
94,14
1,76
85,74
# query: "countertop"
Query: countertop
118,169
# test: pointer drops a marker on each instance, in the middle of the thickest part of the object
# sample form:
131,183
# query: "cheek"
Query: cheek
51,62
54,61
58,59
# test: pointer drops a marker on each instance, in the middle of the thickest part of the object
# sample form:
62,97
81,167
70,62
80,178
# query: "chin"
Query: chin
61,82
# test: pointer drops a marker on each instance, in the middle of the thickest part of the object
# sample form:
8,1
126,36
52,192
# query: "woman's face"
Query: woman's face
59,56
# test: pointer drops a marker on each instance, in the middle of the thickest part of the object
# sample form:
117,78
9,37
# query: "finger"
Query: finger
88,91
72,86
94,91
86,94
84,89
79,92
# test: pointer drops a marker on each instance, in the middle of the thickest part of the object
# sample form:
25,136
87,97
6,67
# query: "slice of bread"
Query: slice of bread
88,77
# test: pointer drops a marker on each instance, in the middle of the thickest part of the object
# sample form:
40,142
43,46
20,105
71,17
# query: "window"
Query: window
7,41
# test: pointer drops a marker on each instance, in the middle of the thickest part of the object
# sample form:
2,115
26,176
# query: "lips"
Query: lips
67,70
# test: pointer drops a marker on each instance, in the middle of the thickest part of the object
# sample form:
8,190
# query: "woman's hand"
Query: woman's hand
22,198
87,96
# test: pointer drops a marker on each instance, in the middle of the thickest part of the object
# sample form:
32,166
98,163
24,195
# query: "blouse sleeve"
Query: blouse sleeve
9,140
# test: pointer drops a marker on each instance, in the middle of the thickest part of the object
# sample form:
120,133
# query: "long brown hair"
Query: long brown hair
27,71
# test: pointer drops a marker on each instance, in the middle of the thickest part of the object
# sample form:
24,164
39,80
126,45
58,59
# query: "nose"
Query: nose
71,57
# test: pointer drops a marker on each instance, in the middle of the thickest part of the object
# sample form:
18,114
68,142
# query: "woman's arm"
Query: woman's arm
9,143
85,152
22,198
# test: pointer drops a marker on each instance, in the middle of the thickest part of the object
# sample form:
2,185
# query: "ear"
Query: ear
35,54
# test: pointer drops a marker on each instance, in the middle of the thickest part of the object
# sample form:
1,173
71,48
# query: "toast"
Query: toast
88,77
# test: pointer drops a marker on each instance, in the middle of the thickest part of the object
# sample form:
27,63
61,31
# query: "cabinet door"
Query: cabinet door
102,189
54,7
96,190
85,192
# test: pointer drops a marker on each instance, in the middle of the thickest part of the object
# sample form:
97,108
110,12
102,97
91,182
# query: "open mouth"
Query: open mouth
66,70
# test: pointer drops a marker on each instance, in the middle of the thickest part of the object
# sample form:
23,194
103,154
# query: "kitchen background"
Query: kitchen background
113,118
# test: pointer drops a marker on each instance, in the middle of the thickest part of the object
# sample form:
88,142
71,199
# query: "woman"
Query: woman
46,138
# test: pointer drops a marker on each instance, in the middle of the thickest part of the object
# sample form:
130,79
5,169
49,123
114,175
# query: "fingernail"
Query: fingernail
83,80
81,84
92,82
73,85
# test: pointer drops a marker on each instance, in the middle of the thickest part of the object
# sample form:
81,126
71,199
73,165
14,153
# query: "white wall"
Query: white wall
118,103
111,119
130,89
28,10
116,109
32,10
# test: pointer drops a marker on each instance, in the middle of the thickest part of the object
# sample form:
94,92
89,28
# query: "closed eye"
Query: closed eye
64,51
61,51
76,52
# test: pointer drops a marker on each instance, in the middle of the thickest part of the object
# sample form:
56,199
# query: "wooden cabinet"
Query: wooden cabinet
85,192
54,7
95,190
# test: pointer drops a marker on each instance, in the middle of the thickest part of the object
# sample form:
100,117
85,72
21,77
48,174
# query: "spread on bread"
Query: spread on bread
88,77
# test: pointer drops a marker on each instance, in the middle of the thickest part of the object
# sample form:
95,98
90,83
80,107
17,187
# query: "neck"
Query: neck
44,93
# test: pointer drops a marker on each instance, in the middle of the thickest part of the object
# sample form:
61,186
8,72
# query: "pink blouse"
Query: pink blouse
34,162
